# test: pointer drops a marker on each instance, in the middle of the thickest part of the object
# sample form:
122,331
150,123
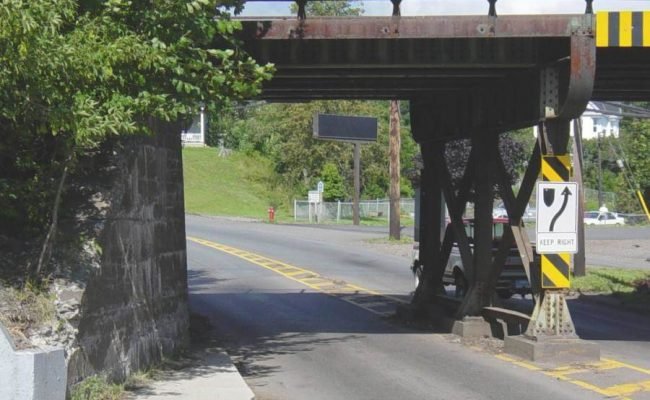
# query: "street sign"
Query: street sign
315,196
345,128
557,217
321,186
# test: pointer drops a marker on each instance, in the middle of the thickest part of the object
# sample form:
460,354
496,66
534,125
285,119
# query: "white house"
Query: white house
598,119
195,134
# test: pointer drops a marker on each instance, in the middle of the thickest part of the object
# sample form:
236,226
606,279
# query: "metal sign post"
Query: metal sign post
351,129
315,198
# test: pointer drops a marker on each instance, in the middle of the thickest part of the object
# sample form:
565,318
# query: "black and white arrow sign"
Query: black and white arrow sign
557,217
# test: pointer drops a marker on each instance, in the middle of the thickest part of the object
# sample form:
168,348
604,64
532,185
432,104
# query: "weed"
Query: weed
97,388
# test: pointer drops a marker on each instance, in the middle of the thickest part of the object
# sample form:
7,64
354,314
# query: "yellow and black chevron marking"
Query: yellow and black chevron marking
367,299
556,168
583,375
623,29
555,271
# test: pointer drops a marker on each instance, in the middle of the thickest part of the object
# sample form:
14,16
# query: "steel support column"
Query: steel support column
430,216
551,318
481,290
430,220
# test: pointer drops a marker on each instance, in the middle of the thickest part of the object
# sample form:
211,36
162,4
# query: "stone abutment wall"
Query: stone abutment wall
134,307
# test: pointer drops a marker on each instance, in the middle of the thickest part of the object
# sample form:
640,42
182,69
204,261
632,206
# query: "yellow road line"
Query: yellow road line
563,373
341,290
629,366
517,362
628,388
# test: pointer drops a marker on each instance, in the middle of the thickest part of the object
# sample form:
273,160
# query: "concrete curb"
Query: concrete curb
31,374
214,377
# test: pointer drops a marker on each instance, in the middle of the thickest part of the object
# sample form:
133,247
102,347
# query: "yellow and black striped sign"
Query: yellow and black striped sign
556,267
556,168
623,29
555,271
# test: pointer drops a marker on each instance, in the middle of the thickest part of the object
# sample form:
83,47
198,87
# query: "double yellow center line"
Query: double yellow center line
370,300
384,306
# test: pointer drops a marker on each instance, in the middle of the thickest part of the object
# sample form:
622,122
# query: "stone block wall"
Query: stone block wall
134,308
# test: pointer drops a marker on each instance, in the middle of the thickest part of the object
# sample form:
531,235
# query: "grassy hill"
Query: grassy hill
235,185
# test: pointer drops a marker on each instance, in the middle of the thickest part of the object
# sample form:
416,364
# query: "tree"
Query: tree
76,73
635,143
512,152
330,8
333,182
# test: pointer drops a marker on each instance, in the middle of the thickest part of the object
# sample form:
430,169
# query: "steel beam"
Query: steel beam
415,27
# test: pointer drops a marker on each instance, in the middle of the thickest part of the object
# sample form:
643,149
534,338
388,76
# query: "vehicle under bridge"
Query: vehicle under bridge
468,77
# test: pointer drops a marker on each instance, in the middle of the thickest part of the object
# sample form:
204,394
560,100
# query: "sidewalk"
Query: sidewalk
213,377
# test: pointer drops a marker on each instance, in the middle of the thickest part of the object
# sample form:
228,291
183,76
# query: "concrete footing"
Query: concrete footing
552,350
31,374
471,327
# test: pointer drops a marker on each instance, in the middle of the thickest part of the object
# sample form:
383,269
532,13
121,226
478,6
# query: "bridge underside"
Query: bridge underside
466,77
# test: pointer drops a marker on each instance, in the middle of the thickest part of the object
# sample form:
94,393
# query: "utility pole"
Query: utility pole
600,173
579,263
394,145
357,184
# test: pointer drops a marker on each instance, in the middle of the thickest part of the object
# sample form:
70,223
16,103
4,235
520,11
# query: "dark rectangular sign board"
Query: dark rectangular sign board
345,128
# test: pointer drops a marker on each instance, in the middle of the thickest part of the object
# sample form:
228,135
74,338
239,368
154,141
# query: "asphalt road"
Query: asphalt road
606,246
293,342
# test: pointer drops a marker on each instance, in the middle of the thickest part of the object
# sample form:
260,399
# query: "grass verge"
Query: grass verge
627,287
402,240
235,185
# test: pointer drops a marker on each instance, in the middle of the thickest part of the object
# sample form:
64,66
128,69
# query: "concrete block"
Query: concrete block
31,374
471,327
552,350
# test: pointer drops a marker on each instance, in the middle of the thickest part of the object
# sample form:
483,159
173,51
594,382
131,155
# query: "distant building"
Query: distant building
195,134
598,119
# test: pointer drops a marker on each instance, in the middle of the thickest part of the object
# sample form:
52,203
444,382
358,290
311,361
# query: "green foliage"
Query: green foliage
330,8
97,388
333,182
77,72
283,132
635,138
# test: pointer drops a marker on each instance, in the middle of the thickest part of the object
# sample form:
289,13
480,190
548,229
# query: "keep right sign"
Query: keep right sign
557,217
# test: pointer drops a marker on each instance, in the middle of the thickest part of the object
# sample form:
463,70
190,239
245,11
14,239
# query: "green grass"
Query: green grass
402,240
235,185
405,220
610,280
627,287
97,388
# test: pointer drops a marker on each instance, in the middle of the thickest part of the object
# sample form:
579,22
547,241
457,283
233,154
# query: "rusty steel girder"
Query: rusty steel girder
426,27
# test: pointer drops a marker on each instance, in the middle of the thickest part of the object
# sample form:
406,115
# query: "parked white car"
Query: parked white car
603,218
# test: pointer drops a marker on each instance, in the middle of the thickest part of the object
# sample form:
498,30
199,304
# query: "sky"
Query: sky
463,7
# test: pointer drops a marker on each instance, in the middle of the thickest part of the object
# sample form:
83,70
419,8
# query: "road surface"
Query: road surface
291,340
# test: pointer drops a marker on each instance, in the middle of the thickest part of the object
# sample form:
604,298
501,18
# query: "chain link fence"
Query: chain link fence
341,211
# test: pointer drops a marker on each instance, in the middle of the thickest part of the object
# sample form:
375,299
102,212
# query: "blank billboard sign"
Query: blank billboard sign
345,128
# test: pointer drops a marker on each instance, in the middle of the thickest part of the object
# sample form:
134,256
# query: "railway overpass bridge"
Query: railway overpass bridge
467,77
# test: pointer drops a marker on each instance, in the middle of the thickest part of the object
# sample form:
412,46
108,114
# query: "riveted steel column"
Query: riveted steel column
480,292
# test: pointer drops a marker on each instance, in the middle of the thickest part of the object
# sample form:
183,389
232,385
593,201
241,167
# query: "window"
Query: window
497,231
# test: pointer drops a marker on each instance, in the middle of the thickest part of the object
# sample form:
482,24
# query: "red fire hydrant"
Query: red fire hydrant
271,214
